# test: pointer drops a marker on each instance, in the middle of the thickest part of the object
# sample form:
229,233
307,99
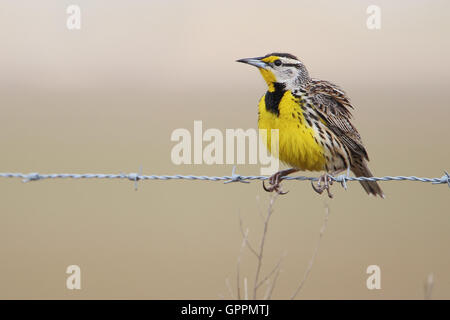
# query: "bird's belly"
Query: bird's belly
298,146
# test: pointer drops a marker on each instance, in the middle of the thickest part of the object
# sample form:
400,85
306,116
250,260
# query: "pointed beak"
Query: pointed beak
254,62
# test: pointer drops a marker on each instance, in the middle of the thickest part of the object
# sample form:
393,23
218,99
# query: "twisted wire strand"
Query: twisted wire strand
234,177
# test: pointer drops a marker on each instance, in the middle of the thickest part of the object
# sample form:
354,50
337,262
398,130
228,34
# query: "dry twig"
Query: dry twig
244,242
316,250
261,246
428,287
259,256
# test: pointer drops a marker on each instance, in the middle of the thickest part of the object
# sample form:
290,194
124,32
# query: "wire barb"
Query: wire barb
135,177
343,178
236,177
445,179
32,177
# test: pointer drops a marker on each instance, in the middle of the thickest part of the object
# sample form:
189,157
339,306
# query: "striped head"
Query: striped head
281,68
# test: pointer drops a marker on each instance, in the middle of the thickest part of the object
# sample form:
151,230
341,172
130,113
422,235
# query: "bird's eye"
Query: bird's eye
277,63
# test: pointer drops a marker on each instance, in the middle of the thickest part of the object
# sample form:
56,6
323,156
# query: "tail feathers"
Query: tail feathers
360,169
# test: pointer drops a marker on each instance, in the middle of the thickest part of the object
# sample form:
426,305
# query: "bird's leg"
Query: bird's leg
327,182
275,180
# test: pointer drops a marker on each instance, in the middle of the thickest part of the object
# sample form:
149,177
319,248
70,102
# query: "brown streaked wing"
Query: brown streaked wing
333,106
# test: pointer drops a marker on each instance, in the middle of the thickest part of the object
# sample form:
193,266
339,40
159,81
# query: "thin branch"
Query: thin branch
260,210
261,247
316,250
245,288
244,241
277,266
428,288
250,247
230,291
272,285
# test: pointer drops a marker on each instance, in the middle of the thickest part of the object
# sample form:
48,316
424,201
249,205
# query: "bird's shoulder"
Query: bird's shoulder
333,106
330,97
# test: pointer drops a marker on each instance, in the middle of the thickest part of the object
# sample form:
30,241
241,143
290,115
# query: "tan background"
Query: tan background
106,99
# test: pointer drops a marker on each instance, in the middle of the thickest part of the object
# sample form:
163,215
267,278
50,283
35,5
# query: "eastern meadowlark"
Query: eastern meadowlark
314,122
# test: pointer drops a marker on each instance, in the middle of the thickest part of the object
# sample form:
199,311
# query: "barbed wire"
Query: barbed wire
234,177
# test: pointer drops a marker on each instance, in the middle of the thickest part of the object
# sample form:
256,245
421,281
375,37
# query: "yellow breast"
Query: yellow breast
297,144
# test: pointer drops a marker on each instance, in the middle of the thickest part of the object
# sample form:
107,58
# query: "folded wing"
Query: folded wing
334,106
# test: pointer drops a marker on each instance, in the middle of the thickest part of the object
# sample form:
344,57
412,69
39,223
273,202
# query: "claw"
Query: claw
274,187
330,195
275,182
327,182
316,189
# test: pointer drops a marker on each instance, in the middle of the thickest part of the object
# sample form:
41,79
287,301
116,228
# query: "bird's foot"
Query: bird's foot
275,181
275,184
324,183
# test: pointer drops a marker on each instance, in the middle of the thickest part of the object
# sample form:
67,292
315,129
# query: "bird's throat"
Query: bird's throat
269,77
273,98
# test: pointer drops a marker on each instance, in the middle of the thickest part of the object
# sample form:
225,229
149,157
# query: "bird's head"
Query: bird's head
282,68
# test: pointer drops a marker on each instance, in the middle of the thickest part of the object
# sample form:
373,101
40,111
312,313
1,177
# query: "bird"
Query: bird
314,122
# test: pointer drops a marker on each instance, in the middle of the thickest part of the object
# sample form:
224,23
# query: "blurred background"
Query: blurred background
107,97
